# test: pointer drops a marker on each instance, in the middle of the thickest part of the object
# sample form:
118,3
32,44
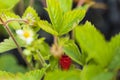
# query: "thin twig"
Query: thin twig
20,20
13,38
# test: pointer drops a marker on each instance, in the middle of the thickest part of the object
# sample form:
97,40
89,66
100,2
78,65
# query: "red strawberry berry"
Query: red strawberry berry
65,62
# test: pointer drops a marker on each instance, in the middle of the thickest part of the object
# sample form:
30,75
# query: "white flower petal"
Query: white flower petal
19,32
29,40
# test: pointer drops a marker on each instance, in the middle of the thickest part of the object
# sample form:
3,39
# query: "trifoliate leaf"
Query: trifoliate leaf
64,19
71,20
55,14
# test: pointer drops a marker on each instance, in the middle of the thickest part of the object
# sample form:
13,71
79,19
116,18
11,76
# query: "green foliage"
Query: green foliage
8,44
89,71
53,63
63,19
104,76
7,4
92,42
71,19
15,25
42,47
72,51
8,63
66,5
63,75
115,47
31,15
100,59
32,75
47,27
8,15
55,14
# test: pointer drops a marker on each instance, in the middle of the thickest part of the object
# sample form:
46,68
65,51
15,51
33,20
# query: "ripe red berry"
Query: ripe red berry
65,62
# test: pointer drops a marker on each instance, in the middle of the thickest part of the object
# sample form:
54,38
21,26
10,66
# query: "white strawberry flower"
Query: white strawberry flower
26,35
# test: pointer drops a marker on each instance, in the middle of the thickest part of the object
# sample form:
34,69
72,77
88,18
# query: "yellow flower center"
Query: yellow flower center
26,34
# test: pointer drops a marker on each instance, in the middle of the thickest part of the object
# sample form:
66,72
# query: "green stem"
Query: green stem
41,59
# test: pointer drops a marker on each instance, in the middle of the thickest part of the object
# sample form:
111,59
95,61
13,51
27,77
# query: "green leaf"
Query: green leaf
32,75
54,63
7,4
62,18
7,15
55,14
93,43
31,15
45,50
115,47
63,75
15,25
47,27
71,49
66,5
8,44
9,63
71,20
104,76
63,40
43,47
35,75
89,71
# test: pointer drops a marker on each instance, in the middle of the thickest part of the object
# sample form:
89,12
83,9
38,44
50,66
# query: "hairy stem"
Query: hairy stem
41,59
55,41
20,20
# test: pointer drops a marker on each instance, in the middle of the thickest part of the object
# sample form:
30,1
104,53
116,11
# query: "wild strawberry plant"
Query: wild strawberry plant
87,56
